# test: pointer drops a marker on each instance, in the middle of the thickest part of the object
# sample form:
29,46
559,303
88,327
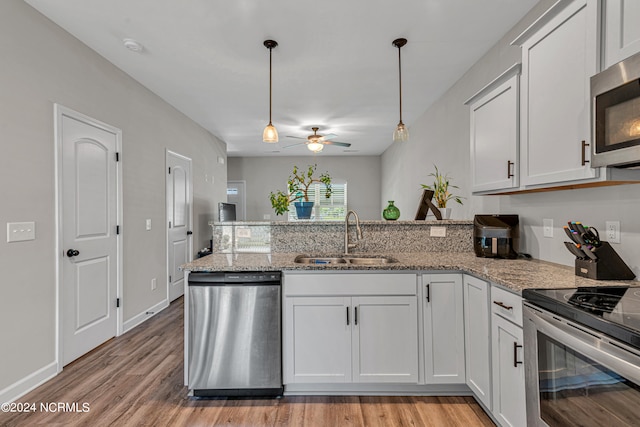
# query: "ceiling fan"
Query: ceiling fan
317,142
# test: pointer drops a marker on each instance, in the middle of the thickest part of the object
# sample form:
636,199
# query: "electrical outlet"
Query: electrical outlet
154,284
547,227
438,232
613,231
148,224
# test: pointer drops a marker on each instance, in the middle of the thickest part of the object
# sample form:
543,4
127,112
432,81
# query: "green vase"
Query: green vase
391,212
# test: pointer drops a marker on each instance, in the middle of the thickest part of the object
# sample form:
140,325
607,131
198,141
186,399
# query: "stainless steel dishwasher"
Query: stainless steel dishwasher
235,338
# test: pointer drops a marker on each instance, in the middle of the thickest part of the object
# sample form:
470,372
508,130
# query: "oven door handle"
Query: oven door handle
591,344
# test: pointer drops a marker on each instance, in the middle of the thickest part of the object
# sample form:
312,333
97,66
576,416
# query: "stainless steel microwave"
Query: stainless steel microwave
615,114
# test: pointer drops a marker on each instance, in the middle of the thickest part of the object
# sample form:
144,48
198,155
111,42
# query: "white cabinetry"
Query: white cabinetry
443,319
509,405
621,34
494,134
477,342
559,55
360,328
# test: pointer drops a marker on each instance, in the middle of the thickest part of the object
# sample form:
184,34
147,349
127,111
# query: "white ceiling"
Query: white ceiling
334,67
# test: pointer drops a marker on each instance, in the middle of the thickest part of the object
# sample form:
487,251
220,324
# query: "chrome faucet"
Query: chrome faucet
347,244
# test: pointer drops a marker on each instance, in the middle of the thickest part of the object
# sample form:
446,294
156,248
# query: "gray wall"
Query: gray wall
266,174
43,65
441,136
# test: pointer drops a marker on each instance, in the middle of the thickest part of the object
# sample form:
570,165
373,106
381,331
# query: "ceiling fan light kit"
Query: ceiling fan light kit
316,147
401,134
270,133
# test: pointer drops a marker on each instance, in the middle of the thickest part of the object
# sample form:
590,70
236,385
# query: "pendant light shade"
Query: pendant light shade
270,133
401,134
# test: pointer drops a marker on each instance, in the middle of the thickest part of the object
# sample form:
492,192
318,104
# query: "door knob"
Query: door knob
72,253
189,233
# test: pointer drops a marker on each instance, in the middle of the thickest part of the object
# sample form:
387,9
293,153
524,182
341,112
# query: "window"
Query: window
333,208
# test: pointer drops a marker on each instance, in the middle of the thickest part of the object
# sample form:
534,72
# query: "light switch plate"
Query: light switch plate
438,232
21,231
148,224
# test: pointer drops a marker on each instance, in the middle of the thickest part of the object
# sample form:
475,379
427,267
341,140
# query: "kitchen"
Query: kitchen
440,135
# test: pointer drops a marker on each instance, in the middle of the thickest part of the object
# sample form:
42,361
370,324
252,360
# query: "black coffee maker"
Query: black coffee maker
496,236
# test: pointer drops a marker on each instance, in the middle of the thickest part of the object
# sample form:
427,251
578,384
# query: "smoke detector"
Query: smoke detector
133,45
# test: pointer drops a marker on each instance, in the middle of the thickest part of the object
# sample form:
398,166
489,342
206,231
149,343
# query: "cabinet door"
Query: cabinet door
509,405
494,138
317,340
621,32
443,329
557,62
385,339
477,341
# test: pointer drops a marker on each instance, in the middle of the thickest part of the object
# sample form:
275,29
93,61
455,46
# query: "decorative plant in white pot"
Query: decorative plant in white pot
298,185
441,193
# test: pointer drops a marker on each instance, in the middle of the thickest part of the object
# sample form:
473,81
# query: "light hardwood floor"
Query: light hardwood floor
136,380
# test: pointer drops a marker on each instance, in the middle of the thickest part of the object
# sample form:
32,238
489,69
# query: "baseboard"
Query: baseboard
28,383
145,315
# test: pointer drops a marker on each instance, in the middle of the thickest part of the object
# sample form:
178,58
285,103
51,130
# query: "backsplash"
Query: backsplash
328,237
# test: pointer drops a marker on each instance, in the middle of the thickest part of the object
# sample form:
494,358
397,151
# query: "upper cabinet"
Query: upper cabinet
559,55
621,33
494,134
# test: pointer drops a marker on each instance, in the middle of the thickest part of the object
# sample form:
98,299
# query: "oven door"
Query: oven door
576,376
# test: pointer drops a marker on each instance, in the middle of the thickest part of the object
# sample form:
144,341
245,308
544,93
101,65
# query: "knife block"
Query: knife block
608,266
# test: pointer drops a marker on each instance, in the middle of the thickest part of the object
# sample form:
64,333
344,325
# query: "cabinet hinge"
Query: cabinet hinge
117,156
117,302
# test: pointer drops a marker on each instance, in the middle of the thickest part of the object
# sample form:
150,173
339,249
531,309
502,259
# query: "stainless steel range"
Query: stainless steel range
582,356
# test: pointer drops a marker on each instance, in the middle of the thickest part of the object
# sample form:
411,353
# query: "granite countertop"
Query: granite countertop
514,275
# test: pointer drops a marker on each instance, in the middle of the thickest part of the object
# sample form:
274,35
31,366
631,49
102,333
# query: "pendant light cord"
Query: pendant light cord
270,52
400,80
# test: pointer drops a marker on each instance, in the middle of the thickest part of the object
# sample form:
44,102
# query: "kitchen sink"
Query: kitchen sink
347,259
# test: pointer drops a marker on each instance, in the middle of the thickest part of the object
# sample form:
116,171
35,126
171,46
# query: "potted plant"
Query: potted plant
441,192
298,186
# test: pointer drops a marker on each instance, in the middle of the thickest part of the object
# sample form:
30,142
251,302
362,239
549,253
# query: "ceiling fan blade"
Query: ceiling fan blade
296,137
294,145
339,144
328,136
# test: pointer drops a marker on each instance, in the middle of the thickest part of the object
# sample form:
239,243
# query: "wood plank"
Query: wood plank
136,380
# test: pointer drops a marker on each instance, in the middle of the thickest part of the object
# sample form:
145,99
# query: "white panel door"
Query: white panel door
557,63
477,338
509,404
89,212
317,340
385,339
443,329
179,220
621,32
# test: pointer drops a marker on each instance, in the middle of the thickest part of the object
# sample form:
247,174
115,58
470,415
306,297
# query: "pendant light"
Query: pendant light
401,134
270,133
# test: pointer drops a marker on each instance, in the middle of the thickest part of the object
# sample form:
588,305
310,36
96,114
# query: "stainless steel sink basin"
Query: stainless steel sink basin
347,259
319,260
369,260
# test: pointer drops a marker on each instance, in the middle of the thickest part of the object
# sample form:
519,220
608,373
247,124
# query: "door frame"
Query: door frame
243,214
166,220
59,111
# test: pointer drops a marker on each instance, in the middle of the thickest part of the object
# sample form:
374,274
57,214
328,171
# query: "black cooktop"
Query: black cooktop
612,310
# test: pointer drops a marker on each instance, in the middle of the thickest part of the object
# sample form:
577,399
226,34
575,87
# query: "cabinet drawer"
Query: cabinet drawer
506,304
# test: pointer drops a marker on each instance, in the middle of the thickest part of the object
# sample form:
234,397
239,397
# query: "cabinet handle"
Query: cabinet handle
515,354
428,293
584,153
347,316
503,305
355,315
509,164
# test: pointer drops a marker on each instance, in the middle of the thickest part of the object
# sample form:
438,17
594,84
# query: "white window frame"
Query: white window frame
335,184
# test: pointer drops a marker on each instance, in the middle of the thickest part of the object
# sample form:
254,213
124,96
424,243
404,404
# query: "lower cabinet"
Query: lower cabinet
351,338
443,318
509,404
477,338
